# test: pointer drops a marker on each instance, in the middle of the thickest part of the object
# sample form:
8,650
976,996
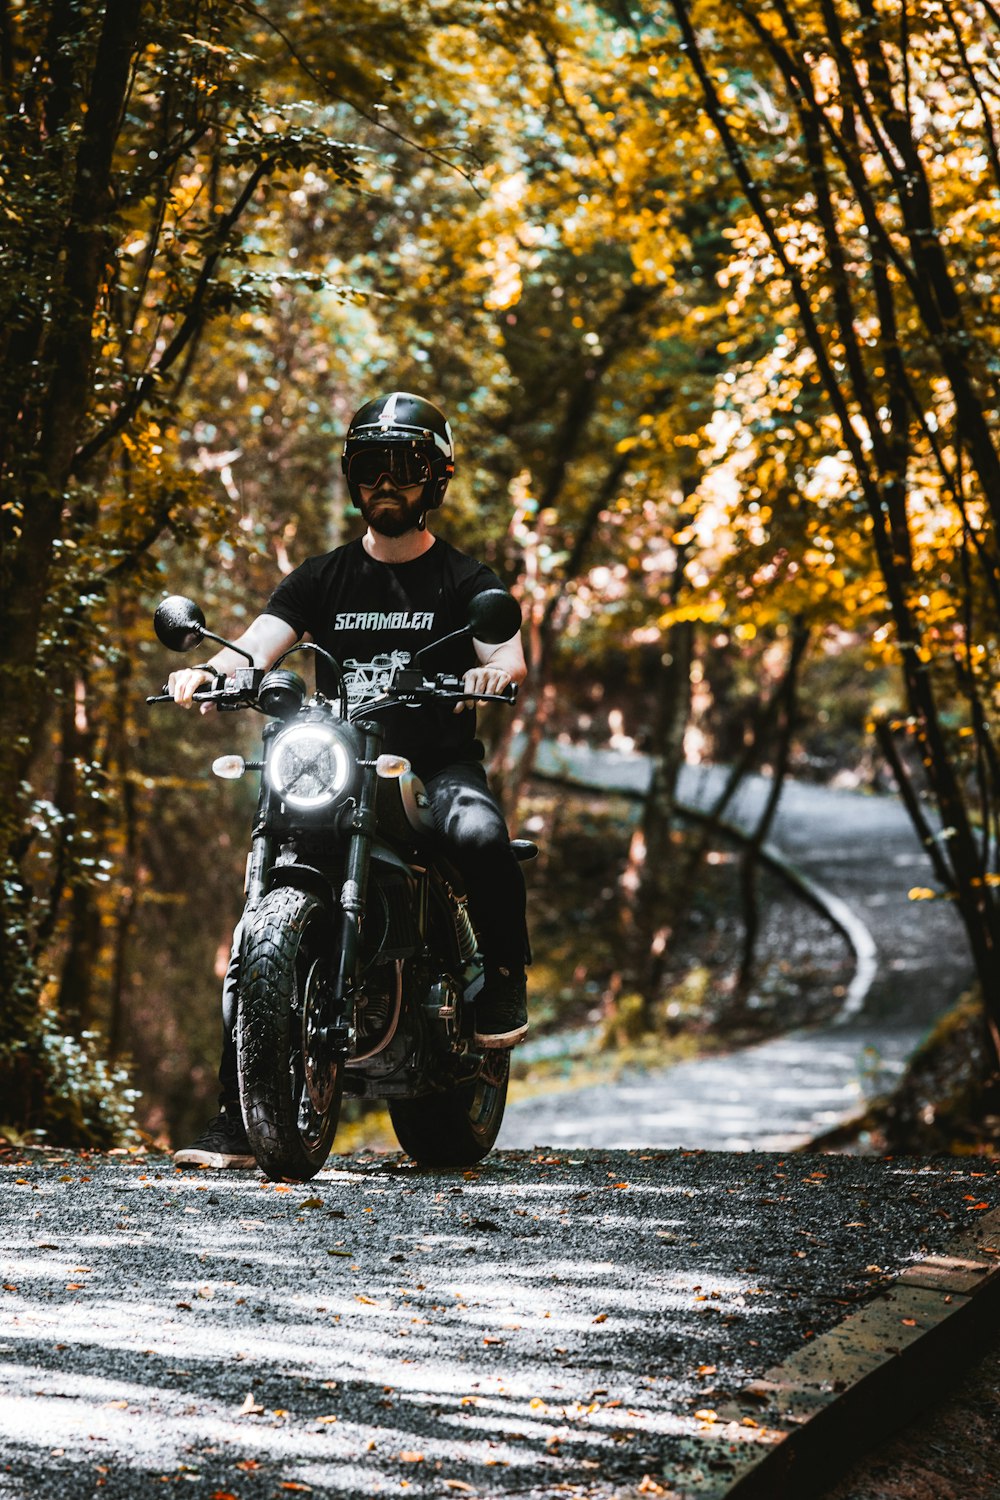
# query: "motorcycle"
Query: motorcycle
358,961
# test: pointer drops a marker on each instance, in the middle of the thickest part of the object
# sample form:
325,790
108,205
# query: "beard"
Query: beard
390,513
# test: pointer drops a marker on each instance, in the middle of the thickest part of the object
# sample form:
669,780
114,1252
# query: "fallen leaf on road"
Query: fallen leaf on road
293,1484
347,1253
223,1495
328,1419
909,1322
458,1484
250,1406
409,1457
248,1464
490,1340
601,1318
707,1370
311,1203
650,1486
706,1414
975,1207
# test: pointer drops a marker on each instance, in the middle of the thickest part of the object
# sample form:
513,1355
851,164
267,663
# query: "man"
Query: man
384,597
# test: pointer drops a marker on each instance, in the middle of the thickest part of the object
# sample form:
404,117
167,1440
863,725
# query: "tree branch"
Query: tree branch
190,323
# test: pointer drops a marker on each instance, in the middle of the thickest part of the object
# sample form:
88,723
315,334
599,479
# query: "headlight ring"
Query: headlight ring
310,766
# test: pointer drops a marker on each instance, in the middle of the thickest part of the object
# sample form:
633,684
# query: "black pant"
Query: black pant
473,836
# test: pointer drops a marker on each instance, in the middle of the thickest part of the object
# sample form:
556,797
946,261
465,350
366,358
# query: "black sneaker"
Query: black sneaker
502,1009
223,1143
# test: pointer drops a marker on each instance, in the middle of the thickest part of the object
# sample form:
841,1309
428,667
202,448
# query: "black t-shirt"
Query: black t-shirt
373,617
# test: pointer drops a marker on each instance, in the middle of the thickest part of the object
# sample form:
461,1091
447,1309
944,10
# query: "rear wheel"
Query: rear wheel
291,1078
457,1127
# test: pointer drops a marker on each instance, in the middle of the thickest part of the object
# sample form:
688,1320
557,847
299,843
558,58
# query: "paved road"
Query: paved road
551,1324
783,1093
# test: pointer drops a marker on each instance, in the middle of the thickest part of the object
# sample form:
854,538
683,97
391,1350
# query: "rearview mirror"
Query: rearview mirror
494,616
179,623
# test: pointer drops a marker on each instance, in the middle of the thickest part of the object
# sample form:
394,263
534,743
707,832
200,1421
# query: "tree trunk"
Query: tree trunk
750,861
56,411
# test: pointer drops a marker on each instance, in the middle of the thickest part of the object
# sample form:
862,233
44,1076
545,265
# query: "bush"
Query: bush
75,1097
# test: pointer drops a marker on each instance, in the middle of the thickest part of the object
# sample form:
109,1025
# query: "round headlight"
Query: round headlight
310,765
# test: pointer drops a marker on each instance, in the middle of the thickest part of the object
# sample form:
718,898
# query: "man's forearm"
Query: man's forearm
265,640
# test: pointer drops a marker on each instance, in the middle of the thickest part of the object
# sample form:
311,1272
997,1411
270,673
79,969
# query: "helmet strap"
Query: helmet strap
422,523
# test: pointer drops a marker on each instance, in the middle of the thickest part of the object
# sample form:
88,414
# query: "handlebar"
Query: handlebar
410,687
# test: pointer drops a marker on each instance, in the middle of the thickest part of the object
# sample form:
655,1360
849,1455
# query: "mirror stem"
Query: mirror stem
465,631
208,635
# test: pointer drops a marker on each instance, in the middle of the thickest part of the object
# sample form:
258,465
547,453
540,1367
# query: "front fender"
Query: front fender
304,878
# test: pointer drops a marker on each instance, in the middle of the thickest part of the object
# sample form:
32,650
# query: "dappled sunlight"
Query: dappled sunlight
337,1350
539,1321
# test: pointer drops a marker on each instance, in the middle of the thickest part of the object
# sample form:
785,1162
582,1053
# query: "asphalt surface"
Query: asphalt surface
860,854
551,1324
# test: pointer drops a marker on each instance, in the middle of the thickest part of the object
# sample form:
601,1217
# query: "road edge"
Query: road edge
792,1434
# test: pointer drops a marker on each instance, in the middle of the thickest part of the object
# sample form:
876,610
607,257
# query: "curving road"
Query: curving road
912,964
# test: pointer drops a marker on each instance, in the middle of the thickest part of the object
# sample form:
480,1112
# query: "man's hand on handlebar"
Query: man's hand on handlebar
479,680
184,684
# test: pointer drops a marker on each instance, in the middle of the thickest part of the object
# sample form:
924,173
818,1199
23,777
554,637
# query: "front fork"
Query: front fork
354,891
353,894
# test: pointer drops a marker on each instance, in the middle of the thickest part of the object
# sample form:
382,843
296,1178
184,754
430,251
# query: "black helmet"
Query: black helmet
404,436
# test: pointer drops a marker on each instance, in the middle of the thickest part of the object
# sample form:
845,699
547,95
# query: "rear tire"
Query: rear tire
455,1128
290,1081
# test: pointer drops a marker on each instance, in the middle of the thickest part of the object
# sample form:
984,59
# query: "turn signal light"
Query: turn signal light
391,766
229,767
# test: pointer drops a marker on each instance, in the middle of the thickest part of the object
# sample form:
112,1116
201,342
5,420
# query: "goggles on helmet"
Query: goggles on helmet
400,463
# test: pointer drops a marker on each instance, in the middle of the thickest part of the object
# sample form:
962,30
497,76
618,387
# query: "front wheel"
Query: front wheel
457,1127
291,1079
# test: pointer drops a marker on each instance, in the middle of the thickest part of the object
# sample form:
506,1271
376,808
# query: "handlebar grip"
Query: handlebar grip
210,697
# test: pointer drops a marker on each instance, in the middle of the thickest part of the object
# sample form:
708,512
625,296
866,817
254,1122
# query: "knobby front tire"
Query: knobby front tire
290,1084
457,1127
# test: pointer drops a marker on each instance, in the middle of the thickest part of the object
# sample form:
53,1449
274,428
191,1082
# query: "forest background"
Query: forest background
710,293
